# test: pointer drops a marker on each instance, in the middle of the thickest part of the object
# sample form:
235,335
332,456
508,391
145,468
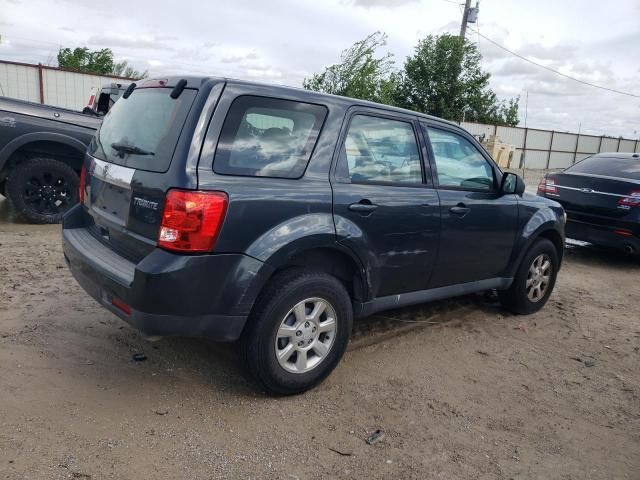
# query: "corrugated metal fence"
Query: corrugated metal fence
50,85
546,149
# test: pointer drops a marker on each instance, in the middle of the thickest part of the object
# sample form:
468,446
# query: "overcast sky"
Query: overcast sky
284,41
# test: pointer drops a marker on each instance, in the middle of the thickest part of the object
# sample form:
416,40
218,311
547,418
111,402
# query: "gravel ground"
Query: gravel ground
461,389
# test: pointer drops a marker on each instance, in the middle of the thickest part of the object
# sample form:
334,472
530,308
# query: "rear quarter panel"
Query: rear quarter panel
272,219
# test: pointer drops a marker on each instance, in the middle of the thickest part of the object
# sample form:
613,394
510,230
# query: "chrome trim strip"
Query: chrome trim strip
581,190
112,173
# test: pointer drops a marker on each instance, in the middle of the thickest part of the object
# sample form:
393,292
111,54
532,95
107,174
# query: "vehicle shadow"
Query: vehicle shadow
594,256
219,365
8,214
385,325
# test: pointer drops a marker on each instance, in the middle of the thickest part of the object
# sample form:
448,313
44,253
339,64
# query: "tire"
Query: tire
41,190
273,313
518,298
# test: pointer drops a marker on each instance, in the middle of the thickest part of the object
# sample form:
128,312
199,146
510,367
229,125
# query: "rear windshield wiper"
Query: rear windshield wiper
123,148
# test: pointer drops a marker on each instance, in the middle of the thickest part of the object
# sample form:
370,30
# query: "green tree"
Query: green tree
100,62
508,111
444,78
84,60
360,73
123,69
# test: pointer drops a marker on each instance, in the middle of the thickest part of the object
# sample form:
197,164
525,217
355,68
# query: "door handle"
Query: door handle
363,206
460,210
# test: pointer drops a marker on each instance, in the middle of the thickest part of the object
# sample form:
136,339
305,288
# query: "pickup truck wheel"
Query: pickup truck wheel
534,280
298,331
42,189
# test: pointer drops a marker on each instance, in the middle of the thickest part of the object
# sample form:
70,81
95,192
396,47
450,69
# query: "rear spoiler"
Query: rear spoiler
154,83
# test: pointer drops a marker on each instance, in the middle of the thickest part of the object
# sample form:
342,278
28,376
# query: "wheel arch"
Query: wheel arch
549,230
61,147
331,259
557,240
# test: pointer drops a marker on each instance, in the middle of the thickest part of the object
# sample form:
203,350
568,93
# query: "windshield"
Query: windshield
621,167
142,131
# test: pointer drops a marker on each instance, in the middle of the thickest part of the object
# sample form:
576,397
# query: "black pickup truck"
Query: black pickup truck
41,153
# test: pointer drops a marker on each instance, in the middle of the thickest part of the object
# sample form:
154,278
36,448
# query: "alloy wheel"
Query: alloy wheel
538,277
306,334
47,193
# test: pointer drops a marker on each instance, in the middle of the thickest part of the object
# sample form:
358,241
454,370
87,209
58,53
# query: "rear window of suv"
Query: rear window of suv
268,137
142,131
625,167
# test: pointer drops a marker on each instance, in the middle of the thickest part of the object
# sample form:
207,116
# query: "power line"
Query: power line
554,71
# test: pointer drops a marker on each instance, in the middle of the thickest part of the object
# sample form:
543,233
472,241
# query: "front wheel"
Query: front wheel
42,189
298,331
534,280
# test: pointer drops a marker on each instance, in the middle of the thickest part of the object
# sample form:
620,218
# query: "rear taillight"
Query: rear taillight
631,200
91,100
191,220
547,185
83,179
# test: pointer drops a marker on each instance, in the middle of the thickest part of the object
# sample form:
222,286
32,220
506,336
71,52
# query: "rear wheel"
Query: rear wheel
298,331
42,189
534,280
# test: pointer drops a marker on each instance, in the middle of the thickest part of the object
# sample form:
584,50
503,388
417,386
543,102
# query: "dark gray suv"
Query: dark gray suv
274,216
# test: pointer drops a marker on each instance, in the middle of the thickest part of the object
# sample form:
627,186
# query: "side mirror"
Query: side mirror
512,184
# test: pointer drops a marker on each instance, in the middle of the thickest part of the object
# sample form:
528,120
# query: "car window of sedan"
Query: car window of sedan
459,164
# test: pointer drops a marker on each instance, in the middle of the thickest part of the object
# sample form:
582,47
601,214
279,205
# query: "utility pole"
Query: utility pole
465,19
470,15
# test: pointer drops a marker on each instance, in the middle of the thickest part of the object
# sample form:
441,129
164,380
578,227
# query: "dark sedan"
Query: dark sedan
601,195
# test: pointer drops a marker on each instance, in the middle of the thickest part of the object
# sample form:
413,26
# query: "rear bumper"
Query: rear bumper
602,235
167,294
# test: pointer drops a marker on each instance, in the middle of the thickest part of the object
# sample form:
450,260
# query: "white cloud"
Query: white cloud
127,40
379,3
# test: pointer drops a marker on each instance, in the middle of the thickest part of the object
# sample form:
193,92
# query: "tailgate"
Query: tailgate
125,213
130,166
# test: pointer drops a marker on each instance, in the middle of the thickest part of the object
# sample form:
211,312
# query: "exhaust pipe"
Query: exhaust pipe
628,249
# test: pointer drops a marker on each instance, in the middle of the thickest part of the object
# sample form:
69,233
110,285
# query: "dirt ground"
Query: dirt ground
461,389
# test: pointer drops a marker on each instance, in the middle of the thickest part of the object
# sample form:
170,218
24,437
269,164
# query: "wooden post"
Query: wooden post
41,82
523,159
553,132
575,152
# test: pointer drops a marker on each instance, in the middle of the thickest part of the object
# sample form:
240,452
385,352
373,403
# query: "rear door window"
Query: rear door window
142,131
380,150
608,166
268,137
